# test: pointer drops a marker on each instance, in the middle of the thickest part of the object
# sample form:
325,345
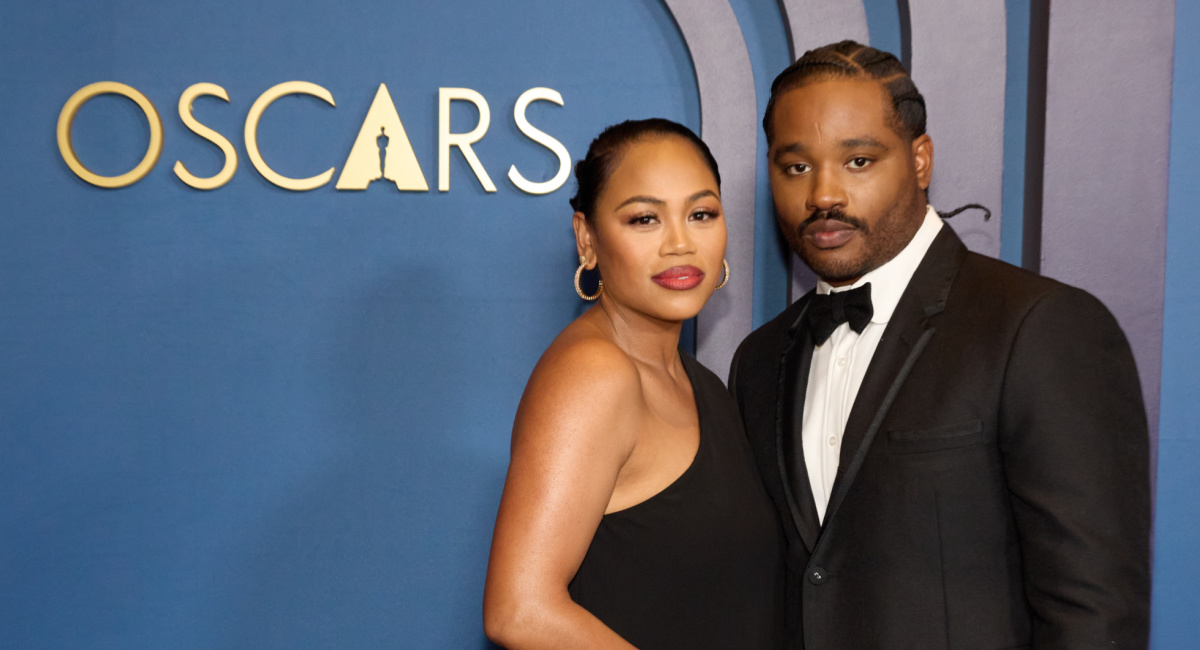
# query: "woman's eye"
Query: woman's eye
859,163
703,215
643,220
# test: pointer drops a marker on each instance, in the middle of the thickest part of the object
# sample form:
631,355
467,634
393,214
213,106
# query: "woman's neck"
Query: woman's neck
649,341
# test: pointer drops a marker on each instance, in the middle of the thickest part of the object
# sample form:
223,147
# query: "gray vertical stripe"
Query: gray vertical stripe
728,119
811,24
1104,213
958,62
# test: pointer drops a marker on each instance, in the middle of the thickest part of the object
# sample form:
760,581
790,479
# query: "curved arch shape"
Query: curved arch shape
959,62
813,23
728,124
1110,100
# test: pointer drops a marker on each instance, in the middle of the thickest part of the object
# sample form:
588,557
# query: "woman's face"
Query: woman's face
658,232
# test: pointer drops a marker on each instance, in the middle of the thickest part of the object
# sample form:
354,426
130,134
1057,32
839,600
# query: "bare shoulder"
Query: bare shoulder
584,385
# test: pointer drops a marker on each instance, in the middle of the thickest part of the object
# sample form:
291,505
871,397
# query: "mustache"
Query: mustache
834,214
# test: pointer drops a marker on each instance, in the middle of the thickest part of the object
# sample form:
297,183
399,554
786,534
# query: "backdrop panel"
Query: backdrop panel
252,416
256,417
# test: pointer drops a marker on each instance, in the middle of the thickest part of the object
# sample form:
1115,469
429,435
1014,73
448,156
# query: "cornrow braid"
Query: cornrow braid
851,60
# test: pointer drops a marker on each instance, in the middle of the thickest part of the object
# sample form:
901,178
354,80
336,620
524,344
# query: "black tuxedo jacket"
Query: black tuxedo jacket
993,487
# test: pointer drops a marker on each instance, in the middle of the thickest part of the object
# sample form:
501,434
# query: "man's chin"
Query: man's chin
833,266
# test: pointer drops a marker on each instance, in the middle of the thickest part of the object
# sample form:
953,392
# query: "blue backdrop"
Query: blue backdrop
251,417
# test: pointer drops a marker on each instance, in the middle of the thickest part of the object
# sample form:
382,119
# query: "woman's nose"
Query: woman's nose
677,239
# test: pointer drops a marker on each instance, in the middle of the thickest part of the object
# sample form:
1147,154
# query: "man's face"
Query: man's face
849,190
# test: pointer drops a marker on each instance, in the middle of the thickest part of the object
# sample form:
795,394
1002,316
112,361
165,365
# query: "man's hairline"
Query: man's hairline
891,115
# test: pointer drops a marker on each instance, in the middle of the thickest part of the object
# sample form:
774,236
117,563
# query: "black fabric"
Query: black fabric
826,312
700,564
792,447
993,488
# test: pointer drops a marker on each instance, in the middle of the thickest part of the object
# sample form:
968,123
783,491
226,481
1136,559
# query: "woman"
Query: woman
632,515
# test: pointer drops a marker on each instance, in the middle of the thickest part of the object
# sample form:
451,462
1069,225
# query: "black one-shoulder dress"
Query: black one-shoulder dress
700,564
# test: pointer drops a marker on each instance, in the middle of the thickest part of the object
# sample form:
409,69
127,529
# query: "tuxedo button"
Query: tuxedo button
816,575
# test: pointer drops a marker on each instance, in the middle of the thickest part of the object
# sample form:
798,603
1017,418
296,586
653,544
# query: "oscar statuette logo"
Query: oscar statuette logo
381,152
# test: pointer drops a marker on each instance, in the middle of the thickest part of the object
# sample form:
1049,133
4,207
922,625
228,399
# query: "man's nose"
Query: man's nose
827,191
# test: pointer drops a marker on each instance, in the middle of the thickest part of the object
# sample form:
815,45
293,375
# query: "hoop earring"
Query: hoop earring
725,279
579,290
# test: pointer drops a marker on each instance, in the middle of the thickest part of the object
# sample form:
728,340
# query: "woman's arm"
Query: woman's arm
573,432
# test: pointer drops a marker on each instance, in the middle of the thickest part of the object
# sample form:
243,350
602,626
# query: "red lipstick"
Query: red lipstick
680,278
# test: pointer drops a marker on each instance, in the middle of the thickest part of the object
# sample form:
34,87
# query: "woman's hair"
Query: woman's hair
592,173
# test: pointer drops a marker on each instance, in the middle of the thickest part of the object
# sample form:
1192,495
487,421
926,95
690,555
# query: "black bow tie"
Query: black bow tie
826,312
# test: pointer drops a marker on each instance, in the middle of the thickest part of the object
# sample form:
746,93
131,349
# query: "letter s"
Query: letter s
189,120
540,137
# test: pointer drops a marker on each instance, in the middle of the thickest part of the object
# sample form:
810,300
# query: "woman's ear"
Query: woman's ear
584,244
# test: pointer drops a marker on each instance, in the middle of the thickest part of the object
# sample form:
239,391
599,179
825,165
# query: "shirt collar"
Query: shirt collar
889,280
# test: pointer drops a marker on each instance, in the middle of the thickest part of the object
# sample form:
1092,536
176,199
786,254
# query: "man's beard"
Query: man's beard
880,242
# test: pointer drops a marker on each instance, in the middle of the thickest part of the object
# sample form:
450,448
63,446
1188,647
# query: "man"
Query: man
957,447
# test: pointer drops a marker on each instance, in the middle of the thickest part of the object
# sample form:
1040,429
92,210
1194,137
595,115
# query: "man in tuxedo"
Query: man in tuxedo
957,447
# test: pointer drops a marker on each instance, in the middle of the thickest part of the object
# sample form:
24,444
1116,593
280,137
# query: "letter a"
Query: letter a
400,163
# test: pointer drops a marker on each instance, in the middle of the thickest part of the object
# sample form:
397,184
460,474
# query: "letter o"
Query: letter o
67,117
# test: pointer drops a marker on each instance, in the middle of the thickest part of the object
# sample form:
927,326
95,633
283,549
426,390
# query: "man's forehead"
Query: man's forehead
852,112
866,94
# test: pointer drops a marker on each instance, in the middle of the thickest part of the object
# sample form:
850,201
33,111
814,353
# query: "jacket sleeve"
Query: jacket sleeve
1074,439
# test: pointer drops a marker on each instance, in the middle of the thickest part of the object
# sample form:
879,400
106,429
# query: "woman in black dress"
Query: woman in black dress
632,515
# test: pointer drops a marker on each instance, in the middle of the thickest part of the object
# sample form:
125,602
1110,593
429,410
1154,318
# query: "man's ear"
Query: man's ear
922,153
584,245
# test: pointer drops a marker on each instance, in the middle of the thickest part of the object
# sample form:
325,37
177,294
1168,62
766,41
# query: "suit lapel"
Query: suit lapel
794,365
907,333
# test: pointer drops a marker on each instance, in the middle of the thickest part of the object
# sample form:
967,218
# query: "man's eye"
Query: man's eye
859,163
795,169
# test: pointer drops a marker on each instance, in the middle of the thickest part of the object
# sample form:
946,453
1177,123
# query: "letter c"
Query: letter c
266,99
67,117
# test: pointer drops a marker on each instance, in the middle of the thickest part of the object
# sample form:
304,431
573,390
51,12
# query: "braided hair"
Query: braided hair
852,60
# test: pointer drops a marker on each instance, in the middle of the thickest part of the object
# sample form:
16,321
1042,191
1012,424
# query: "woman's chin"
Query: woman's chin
677,308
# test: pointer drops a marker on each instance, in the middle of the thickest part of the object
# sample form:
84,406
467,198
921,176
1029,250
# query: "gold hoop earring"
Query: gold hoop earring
579,289
726,278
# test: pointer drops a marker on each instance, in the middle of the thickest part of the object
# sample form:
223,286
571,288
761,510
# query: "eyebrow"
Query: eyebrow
862,141
849,143
653,200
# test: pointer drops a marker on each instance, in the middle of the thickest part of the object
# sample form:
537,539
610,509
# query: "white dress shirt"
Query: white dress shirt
839,364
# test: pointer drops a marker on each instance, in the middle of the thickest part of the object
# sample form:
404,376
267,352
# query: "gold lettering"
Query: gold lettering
66,119
399,163
266,99
463,141
185,113
540,137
